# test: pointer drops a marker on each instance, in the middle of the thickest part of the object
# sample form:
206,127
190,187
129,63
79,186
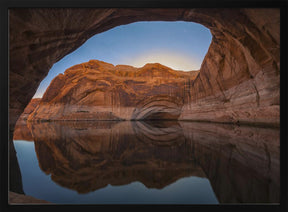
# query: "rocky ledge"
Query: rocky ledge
15,198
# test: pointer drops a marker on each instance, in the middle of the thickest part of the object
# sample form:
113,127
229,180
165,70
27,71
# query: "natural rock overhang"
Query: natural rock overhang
244,54
161,107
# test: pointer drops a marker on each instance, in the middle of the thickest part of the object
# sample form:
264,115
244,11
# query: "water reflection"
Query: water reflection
88,156
241,163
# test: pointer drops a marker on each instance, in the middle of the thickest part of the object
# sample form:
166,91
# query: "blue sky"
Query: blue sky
179,45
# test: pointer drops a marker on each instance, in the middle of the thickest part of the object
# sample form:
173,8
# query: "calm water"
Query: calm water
148,162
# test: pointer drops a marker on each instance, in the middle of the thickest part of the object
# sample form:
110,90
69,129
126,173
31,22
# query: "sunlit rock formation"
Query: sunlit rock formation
27,111
238,80
21,131
96,90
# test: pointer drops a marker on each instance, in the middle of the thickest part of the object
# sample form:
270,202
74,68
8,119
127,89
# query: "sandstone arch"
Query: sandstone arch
238,80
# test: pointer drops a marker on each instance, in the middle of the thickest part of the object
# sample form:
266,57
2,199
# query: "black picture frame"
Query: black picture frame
4,108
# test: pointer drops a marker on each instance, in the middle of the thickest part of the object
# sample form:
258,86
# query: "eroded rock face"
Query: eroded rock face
101,91
238,80
21,131
28,110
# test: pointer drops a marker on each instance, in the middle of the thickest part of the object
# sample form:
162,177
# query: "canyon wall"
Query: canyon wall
239,79
97,90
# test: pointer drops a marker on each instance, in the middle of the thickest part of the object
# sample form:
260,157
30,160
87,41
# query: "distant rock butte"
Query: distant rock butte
97,90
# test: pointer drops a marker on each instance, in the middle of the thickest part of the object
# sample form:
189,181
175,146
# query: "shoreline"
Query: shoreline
16,199
239,123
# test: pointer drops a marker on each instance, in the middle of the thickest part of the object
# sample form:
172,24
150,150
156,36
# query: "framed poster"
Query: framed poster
163,105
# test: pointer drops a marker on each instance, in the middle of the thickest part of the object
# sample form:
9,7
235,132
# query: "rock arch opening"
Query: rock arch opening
159,59
238,80
179,45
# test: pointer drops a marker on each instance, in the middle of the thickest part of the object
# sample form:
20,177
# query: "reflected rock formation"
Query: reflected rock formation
22,132
241,163
85,156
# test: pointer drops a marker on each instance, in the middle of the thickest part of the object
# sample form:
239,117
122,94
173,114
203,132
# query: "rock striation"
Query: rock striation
96,90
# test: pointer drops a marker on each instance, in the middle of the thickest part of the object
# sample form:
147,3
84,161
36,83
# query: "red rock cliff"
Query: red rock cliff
96,90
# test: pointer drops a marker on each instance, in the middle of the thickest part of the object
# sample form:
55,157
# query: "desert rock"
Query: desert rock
238,81
97,90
